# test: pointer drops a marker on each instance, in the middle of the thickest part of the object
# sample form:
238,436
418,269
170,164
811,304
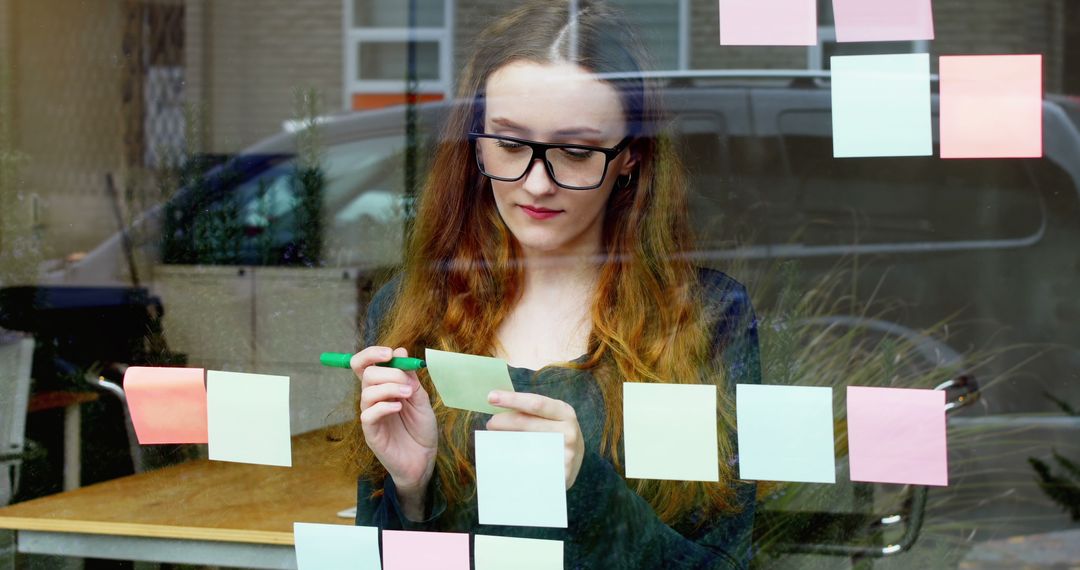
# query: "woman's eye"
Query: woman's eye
577,153
507,144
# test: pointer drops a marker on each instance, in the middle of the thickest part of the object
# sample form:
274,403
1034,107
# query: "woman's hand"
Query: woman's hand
533,412
399,424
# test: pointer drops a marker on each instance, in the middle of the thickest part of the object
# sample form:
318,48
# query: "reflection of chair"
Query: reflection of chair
16,352
816,527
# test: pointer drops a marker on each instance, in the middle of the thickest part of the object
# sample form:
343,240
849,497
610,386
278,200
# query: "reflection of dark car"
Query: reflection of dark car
989,244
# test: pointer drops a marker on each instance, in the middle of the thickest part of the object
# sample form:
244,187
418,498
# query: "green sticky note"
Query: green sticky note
670,431
464,380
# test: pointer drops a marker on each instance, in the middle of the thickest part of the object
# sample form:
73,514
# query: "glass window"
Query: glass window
395,14
196,187
387,60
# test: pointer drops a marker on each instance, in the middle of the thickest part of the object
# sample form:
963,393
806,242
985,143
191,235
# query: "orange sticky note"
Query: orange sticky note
991,106
167,405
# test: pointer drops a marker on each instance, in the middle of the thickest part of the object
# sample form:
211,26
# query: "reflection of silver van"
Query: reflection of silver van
992,239
990,245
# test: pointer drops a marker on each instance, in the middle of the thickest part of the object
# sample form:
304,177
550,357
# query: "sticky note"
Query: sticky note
336,547
248,418
991,106
167,405
897,435
503,553
883,20
768,22
464,380
785,433
670,431
412,550
521,478
881,105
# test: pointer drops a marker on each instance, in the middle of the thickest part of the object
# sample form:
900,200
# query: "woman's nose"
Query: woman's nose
537,180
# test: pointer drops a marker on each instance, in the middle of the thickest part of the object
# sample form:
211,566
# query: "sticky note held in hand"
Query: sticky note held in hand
465,380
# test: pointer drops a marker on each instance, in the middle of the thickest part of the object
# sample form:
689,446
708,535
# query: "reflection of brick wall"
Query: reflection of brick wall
254,55
1002,26
66,100
471,17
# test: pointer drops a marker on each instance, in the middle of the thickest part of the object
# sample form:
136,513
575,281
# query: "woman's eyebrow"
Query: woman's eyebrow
502,121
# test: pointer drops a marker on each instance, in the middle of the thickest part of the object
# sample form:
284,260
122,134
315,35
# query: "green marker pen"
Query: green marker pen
341,360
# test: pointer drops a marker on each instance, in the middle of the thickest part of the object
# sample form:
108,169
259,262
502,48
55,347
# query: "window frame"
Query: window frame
354,38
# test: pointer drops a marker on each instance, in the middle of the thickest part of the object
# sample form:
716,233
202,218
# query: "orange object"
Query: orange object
365,101
167,405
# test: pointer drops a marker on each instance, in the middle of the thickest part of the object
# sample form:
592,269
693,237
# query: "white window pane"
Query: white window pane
658,22
395,13
389,60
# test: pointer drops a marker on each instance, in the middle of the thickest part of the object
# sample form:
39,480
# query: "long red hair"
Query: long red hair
461,276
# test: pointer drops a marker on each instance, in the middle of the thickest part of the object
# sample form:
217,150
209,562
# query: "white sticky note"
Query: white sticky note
504,553
521,478
248,418
881,105
670,431
336,547
785,433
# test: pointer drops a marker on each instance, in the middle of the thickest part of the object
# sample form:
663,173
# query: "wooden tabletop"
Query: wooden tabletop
52,400
204,500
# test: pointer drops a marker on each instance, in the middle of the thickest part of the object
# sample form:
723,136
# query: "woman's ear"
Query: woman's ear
634,156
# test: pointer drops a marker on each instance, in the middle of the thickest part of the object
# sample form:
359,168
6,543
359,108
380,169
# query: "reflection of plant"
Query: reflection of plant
1064,489
802,346
20,249
309,180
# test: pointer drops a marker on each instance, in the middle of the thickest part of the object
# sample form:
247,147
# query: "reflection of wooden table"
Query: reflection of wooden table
71,402
202,512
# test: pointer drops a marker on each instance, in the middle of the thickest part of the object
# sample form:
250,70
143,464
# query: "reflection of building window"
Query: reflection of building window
818,56
377,35
665,29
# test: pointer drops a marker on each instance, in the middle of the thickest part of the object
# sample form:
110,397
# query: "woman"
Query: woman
550,234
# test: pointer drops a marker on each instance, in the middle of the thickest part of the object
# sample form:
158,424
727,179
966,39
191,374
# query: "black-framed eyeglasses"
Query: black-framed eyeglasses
571,166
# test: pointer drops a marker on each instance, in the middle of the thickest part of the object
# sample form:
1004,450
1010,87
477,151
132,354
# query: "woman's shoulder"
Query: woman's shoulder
722,293
379,305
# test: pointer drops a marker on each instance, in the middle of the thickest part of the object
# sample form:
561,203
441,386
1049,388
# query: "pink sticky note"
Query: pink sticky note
897,435
991,106
167,405
768,22
883,20
410,550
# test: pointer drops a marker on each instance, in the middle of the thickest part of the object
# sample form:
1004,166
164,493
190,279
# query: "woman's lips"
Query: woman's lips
538,213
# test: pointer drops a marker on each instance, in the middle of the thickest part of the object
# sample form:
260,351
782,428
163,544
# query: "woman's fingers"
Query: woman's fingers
374,375
516,421
374,394
533,405
378,411
370,355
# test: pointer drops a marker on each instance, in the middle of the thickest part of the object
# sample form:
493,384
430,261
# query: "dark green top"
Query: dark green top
610,525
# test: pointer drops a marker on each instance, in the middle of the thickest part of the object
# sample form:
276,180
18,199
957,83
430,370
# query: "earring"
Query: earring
629,178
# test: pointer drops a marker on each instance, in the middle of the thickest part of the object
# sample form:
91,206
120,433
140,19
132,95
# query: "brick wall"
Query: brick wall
254,55
66,102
